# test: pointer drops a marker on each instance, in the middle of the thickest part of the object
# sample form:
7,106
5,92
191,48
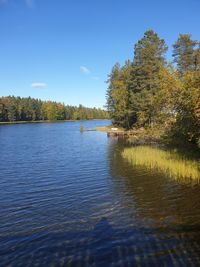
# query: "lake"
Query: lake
70,199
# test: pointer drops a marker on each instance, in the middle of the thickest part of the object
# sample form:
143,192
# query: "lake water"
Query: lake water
69,199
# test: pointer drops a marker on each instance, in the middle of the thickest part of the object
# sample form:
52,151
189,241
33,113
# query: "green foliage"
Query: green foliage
184,53
30,109
118,98
197,59
151,93
149,56
148,59
187,108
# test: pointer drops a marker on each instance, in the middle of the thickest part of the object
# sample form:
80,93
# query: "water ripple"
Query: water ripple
68,199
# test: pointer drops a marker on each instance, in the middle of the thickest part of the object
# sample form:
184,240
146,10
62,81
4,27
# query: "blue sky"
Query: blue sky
63,50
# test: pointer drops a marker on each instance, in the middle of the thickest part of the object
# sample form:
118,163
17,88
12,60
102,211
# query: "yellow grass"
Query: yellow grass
168,162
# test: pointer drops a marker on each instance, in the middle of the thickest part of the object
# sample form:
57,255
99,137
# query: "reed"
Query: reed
168,162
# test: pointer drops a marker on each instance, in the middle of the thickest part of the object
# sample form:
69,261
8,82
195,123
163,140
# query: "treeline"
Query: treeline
150,92
30,109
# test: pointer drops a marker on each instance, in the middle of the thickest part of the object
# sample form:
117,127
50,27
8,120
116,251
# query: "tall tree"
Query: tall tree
114,75
118,95
149,57
197,58
184,53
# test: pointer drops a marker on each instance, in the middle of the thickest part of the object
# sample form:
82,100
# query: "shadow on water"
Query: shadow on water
103,246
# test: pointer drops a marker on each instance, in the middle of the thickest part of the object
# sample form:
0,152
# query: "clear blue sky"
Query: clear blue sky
63,50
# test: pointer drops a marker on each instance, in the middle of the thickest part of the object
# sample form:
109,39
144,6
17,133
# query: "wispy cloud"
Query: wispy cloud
38,85
29,3
95,78
85,70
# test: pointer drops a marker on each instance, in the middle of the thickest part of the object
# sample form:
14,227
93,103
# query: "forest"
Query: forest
150,92
29,109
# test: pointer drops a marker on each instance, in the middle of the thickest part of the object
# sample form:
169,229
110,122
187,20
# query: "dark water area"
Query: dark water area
69,199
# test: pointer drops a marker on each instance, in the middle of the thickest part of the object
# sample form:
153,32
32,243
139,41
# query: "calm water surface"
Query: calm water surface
69,199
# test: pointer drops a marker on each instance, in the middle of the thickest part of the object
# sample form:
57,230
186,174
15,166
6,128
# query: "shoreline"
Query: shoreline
46,121
140,136
150,137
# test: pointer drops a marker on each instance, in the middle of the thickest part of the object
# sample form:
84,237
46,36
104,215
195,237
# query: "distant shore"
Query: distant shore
46,121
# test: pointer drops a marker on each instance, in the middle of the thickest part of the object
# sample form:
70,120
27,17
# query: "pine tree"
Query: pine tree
184,53
197,59
149,57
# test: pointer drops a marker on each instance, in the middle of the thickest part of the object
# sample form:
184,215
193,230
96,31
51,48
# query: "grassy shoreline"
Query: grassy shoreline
156,137
169,162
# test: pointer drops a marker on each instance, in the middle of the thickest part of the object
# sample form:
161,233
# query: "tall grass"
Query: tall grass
168,162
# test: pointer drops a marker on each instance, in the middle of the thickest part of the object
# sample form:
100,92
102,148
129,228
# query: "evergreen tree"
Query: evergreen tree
29,109
151,93
149,57
110,103
184,53
197,59
118,95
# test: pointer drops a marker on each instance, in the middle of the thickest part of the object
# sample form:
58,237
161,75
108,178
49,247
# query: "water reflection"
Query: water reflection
168,162
165,202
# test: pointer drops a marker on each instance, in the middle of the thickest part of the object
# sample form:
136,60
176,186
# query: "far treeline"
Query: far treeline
151,93
30,109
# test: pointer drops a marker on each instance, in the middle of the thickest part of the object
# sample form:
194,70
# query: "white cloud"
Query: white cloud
85,70
29,3
38,85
